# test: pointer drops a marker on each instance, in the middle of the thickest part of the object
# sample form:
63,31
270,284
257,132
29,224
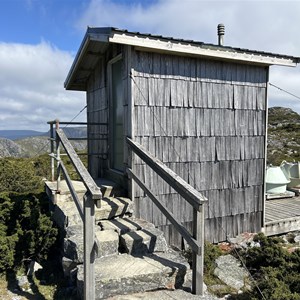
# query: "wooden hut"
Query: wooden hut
199,108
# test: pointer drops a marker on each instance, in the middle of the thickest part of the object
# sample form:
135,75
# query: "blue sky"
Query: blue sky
30,21
39,39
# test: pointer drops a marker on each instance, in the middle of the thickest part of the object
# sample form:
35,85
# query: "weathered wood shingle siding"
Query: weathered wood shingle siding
97,111
206,120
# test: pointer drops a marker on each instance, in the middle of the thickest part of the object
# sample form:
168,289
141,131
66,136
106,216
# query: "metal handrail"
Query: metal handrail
191,195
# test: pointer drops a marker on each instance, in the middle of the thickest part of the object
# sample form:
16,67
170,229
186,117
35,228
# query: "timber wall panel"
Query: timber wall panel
204,119
97,111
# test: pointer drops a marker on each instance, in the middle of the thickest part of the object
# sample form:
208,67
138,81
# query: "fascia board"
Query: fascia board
220,53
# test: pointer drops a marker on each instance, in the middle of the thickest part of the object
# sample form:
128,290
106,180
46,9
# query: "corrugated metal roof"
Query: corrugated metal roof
97,39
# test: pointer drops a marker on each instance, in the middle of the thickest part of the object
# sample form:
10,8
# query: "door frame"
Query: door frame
113,174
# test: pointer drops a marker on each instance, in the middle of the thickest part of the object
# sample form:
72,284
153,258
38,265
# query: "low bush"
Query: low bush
274,268
26,230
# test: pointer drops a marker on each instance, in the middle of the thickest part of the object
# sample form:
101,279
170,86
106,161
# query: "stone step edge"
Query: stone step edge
126,274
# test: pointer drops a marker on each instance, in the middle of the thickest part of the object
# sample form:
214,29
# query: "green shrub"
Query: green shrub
19,175
211,253
26,231
275,270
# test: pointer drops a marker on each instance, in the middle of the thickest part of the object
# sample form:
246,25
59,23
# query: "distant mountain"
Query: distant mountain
75,132
35,143
19,134
9,148
13,135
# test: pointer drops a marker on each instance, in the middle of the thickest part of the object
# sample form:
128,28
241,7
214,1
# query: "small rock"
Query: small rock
23,283
217,288
68,265
33,267
293,249
225,247
74,230
244,240
297,239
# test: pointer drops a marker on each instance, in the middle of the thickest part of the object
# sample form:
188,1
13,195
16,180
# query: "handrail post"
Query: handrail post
89,252
57,155
52,151
198,258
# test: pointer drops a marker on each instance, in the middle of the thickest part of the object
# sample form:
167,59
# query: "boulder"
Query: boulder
230,271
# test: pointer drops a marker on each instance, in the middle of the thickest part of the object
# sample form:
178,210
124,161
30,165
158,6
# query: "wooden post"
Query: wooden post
198,258
89,253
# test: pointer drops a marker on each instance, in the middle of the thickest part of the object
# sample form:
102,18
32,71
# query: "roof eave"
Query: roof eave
169,45
90,35
212,51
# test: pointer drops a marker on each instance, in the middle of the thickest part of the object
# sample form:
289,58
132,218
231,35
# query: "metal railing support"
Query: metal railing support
52,152
89,251
57,156
92,197
198,258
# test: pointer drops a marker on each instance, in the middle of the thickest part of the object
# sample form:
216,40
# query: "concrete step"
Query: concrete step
126,274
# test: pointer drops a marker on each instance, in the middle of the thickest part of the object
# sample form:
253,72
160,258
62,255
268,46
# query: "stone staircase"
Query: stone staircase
132,255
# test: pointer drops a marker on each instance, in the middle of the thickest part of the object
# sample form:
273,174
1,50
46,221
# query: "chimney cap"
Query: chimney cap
221,33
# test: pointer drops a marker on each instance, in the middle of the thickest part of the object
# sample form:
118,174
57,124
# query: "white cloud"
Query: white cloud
259,25
31,86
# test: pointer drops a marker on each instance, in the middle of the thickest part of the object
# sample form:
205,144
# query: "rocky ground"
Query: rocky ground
283,135
227,268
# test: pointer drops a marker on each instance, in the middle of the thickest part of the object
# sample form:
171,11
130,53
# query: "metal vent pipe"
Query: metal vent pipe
221,32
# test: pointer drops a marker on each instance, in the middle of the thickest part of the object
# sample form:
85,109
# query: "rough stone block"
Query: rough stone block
143,241
124,225
113,207
66,214
73,248
107,242
125,274
109,188
65,195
